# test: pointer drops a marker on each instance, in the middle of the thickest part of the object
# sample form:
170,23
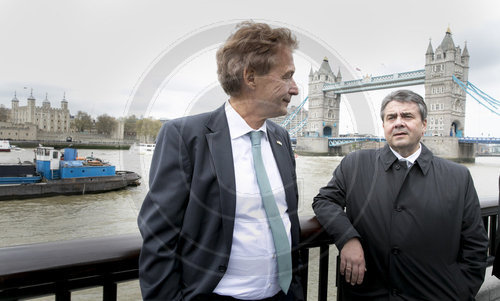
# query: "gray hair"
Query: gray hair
405,96
253,45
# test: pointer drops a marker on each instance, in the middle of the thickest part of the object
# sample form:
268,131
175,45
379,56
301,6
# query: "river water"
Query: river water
112,213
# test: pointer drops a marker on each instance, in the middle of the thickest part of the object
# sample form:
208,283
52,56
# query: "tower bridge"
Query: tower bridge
446,70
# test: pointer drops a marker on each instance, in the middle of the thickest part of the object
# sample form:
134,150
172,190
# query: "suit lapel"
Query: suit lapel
219,145
281,152
282,156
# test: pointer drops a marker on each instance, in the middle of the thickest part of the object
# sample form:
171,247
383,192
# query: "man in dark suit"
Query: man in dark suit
412,227
204,226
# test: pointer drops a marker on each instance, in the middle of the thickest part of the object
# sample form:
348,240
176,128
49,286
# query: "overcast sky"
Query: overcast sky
104,54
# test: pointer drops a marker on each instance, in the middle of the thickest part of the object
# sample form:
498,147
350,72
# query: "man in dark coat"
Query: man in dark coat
496,263
205,230
412,227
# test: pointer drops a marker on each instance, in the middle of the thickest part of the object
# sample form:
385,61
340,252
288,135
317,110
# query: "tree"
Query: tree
148,129
4,113
105,124
130,126
82,122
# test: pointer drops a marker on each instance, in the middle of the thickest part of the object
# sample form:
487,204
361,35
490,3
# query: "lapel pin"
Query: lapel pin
279,142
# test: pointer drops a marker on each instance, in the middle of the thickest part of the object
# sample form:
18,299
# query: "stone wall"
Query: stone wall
450,148
79,137
17,131
312,146
444,147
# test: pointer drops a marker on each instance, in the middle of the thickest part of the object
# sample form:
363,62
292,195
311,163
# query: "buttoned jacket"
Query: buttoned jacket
420,228
187,217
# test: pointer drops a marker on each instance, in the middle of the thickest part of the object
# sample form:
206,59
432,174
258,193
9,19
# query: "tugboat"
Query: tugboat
58,172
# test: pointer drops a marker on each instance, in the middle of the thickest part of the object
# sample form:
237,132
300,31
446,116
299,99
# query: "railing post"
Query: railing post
323,273
62,292
493,234
109,290
304,272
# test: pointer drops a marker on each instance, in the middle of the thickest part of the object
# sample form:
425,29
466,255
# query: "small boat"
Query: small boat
57,172
15,148
143,148
4,146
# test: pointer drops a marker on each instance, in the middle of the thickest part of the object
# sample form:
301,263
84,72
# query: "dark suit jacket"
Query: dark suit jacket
187,217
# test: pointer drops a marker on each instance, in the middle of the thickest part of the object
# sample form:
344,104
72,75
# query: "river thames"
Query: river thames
96,215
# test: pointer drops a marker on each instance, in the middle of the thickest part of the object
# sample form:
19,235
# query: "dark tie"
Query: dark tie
405,162
280,236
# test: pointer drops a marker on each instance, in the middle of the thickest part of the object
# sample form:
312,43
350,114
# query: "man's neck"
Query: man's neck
244,107
407,154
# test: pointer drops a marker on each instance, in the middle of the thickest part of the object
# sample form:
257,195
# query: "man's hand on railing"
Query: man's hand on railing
352,262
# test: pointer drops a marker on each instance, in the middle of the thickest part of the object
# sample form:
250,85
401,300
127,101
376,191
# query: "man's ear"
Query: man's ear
249,77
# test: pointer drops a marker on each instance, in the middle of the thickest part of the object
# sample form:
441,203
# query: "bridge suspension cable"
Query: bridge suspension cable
298,127
294,113
481,97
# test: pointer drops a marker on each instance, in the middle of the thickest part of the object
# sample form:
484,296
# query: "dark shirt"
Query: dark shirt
420,228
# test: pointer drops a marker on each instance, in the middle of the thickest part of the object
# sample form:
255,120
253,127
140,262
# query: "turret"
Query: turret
31,100
429,55
64,102
339,77
448,46
325,72
15,101
465,55
46,102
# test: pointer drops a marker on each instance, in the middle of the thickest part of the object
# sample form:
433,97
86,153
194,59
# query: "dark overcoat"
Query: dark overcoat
420,228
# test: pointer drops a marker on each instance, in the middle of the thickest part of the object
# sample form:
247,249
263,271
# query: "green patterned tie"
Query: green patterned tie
280,236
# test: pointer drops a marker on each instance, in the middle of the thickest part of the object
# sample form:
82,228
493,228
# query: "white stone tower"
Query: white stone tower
323,116
444,98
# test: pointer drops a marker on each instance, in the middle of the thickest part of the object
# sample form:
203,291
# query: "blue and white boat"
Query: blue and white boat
61,172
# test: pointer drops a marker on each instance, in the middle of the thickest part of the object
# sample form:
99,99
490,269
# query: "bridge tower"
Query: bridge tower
444,98
324,107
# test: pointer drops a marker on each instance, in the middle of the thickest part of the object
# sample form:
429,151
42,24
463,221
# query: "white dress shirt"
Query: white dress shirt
252,270
411,158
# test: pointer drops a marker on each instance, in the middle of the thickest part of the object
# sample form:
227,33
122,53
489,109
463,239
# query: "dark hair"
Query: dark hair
405,96
253,45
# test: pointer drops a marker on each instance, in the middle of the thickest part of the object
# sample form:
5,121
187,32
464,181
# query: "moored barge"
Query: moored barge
57,172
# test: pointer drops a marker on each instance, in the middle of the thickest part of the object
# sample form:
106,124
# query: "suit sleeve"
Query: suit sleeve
161,216
329,206
474,241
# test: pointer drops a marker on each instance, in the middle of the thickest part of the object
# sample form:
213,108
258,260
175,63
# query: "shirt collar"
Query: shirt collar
411,158
237,125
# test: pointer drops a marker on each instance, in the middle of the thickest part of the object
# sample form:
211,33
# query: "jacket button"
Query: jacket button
222,269
395,250
394,291
397,166
399,209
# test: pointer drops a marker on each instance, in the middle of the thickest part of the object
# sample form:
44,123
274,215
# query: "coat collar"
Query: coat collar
387,158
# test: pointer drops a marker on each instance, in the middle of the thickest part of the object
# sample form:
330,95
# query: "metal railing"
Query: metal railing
57,268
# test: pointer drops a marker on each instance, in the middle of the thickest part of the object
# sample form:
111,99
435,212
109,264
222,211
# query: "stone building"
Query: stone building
324,107
46,118
445,99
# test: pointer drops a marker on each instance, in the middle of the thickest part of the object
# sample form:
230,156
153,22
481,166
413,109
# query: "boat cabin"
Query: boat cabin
56,164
